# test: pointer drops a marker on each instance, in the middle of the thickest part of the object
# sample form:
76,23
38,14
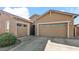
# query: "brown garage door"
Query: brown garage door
21,30
53,30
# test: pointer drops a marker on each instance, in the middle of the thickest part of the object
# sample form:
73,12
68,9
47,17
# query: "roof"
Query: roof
66,13
76,24
61,12
34,15
20,18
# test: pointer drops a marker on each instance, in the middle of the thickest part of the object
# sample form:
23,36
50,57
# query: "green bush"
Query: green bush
7,39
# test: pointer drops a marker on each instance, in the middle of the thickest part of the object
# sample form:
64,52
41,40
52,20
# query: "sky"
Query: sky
26,8
26,12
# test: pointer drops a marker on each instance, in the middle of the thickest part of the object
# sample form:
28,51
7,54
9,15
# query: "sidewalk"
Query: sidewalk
51,46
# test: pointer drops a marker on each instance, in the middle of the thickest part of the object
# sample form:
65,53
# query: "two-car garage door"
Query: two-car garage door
53,30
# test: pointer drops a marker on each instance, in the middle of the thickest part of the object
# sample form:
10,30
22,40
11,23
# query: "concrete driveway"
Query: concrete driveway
31,44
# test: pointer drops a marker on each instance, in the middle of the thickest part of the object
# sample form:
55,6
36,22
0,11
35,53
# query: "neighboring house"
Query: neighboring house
55,24
14,24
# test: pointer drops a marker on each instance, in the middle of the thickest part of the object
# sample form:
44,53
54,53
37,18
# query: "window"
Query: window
19,24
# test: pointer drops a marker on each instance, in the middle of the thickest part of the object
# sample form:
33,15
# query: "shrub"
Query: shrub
7,39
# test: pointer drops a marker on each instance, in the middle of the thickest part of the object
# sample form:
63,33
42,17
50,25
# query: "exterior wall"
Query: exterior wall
2,23
34,18
56,17
6,17
71,30
3,18
13,27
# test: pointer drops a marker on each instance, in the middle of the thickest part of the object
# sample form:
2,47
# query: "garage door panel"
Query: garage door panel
21,31
54,30
53,33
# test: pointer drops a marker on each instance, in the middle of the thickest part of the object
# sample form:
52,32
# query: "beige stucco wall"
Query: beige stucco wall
34,18
13,27
3,20
55,17
4,17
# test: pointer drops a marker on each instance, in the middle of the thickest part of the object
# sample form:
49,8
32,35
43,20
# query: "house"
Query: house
51,24
55,24
76,29
33,18
14,24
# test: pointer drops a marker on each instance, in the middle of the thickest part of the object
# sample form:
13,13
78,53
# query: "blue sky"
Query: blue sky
41,10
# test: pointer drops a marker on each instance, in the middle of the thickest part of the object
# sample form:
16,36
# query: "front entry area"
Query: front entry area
53,30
